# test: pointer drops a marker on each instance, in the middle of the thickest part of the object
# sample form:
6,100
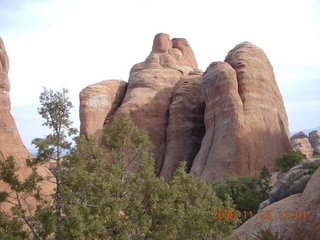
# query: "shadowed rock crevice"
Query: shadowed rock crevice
186,125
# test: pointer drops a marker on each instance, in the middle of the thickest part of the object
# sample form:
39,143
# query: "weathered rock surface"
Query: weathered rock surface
309,227
293,181
245,116
185,127
300,142
293,226
10,140
98,103
314,140
150,88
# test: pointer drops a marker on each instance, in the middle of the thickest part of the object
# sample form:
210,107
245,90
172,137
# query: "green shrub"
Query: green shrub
289,160
312,168
243,190
264,182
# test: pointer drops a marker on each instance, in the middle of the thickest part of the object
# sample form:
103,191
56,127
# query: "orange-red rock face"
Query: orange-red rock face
10,140
245,122
98,103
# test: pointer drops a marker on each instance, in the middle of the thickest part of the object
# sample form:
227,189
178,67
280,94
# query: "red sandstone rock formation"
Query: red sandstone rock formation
150,89
246,122
10,140
300,142
98,103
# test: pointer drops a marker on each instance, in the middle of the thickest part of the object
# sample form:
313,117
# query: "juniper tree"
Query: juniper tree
264,183
112,200
41,216
55,110
28,206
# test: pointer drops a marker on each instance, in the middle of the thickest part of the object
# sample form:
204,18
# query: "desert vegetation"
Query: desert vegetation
97,195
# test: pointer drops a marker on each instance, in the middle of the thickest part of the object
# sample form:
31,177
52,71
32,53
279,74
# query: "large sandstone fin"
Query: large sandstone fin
223,118
248,130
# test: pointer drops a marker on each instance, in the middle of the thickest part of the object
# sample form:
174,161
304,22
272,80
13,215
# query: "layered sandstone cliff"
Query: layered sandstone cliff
229,121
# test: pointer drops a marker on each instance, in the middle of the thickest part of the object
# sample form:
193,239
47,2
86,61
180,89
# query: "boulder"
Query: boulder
290,182
300,142
308,228
314,140
185,126
293,218
98,103
245,118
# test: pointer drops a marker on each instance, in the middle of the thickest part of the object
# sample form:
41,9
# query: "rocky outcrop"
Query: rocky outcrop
314,140
300,142
150,89
245,116
309,227
98,103
10,140
185,126
290,182
245,123
294,218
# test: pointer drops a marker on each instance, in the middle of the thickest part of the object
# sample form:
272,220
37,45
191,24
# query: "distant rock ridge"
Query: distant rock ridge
230,120
308,145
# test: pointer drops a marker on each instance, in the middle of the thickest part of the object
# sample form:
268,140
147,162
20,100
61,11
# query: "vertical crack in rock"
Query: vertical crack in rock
223,111
185,127
165,137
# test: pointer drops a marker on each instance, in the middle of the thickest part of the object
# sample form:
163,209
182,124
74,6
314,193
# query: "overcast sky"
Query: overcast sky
75,43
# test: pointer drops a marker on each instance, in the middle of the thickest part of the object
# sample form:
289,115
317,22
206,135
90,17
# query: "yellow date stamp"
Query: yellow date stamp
263,214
